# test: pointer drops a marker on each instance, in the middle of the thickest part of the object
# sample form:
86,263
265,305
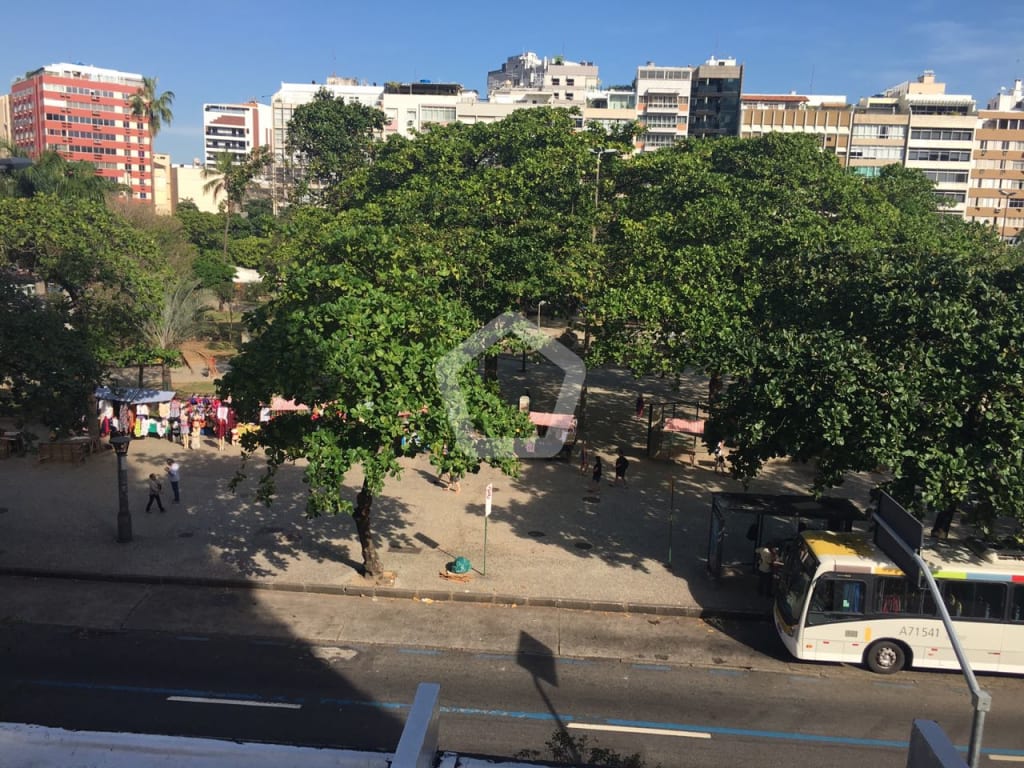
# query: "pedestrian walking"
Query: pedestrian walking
765,570
720,456
640,405
154,493
621,465
596,476
174,477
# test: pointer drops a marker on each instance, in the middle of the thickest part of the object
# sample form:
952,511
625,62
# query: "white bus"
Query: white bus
839,598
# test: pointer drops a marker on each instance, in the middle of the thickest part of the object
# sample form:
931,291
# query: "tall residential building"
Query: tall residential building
83,113
996,195
662,104
715,98
235,128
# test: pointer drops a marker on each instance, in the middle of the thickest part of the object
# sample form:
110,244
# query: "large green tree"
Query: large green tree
361,350
104,275
333,140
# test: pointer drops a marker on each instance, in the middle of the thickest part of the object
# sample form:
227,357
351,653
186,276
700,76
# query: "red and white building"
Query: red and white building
84,114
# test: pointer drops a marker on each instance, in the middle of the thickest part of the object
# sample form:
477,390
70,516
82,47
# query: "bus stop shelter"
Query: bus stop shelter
741,523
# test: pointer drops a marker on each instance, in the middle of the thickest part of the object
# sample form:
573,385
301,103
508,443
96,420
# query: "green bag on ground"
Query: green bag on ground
460,565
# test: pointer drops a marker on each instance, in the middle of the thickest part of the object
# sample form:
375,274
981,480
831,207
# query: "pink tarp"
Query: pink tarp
279,404
686,426
557,420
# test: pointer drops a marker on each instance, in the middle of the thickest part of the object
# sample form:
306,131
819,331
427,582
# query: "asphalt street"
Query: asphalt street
492,703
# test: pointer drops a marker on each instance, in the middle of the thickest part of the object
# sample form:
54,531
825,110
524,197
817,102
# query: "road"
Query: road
493,704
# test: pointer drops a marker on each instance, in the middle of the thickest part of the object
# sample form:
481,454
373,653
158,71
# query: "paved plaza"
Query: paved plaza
551,539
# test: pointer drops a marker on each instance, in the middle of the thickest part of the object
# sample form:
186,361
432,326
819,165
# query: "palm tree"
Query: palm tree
157,109
145,103
232,176
179,318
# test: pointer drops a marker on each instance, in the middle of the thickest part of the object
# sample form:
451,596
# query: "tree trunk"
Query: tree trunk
714,386
490,367
372,567
142,369
165,376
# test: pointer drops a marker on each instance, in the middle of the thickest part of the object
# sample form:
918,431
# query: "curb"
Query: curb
397,593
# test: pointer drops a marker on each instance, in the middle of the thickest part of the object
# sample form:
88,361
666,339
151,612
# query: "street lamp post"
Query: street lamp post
124,515
540,304
598,152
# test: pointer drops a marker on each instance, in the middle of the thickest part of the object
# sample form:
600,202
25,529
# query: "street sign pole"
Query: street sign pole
488,493
900,535
671,515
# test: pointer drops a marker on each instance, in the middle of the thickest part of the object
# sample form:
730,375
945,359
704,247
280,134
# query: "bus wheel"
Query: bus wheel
885,657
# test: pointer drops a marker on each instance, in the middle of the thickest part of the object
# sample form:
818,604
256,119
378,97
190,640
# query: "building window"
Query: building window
570,81
556,81
941,134
946,177
940,155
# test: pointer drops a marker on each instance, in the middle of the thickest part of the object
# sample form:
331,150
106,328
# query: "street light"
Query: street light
124,515
540,304
598,152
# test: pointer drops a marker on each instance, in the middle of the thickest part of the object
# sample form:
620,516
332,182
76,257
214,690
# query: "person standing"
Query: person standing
174,477
596,476
621,464
154,493
640,404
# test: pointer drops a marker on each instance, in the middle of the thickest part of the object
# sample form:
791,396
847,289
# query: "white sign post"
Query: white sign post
488,493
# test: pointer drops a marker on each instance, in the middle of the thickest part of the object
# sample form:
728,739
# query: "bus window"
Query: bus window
836,600
975,600
894,594
1017,603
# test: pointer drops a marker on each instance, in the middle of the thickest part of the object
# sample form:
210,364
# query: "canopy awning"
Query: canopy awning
134,395
685,426
557,420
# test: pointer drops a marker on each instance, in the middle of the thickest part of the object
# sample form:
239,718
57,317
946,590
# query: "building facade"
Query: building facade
235,128
536,81
83,113
715,98
662,104
996,193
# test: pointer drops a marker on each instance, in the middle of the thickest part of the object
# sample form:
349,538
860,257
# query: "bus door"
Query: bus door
836,602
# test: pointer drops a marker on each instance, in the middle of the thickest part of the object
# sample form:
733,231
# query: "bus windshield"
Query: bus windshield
795,581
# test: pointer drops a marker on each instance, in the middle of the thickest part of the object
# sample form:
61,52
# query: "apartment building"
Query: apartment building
413,107
996,193
5,119
715,98
662,104
535,81
919,125
828,117
83,113
292,95
235,128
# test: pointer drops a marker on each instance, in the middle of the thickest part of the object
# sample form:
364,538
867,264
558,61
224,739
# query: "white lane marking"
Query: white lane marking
236,702
634,729
1008,758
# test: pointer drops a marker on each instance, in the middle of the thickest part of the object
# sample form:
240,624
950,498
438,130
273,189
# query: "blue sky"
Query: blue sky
233,51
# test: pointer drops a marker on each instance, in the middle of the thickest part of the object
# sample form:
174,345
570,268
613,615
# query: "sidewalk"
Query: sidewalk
551,542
